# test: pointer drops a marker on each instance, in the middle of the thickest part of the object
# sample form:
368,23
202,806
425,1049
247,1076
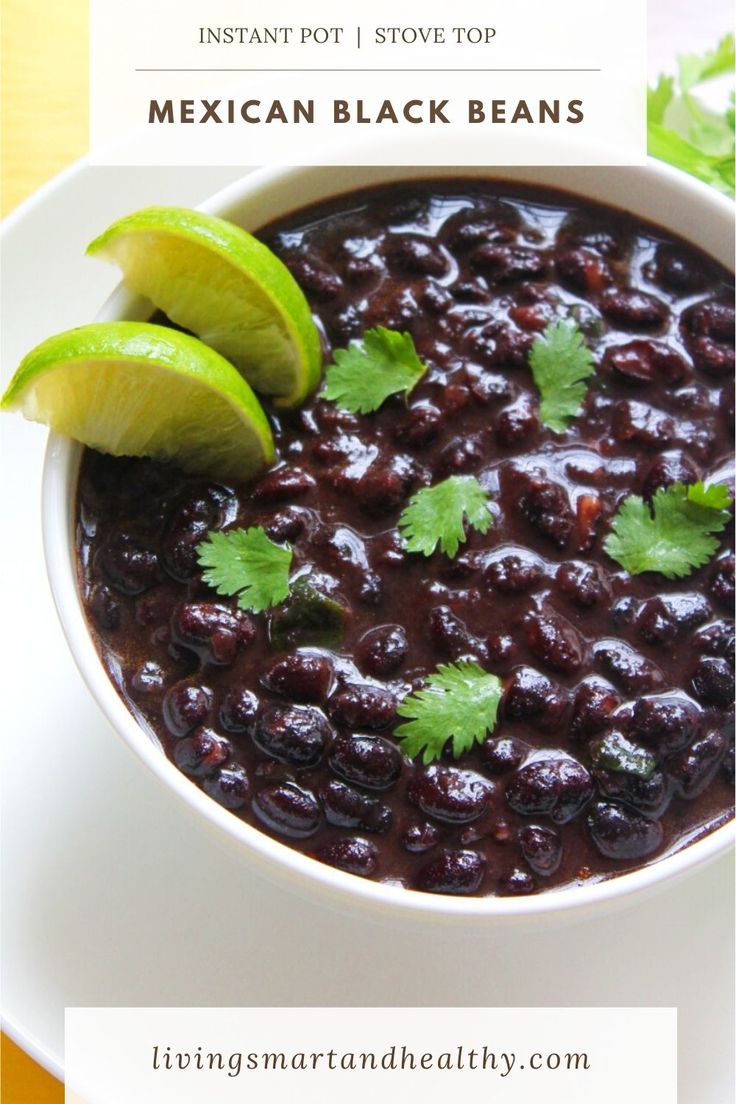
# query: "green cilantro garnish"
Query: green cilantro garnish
674,536
309,617
683,131
245,562
459,703
436,515
614,752
560,361
363,376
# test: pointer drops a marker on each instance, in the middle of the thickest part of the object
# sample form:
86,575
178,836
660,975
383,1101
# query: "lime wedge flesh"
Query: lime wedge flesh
217,280
135,389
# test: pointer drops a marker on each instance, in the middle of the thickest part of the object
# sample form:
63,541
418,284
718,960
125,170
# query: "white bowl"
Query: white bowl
655,192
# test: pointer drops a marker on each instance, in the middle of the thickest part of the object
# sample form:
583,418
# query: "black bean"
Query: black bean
555,642
288,809
361,705
302,676
671,467
516,883
212,631
649,796
296,734
238,709
713,681
385,485
414,255
710,318
366,760
420,425
450,794
641,424
286,525
452,871
693,769
517,425
712,357
104,607
281,485
582,270
595,700
504,263
662,620
717,638
352,854
314,277
558,788
450,635
194,514
347,808
382,650
129,565
185,706
541,847
514,573
632,309
667,722
630,669
461,455
584,584
722,581
678,269
420,836
619,833
500,346
148,679
547,507
644,361
229,787
201,754
526,694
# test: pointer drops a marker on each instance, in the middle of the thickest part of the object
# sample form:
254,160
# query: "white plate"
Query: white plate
113,895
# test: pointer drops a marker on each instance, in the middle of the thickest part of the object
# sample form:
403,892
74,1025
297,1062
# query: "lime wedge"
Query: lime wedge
215,279
134,389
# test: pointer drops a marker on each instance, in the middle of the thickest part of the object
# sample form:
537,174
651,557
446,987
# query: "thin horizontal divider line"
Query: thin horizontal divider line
352,70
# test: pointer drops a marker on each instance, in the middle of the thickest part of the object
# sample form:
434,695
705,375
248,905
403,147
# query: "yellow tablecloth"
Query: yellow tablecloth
44,129
44,92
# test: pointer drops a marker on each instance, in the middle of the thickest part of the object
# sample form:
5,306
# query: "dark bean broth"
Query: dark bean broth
298,739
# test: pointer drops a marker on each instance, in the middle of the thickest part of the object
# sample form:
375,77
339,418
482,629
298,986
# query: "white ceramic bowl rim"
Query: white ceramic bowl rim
254,200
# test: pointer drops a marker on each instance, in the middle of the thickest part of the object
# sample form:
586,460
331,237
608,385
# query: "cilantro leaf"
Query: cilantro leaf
615,752
436,515
694,69
683,131
674,537
667,145
245,562
363,376
659,98
309,617
560,361
459,703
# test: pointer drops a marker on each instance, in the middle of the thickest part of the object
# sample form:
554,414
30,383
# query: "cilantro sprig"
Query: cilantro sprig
384,362
459,703
615,752
247,563
682,130
560,361
672,537
437,515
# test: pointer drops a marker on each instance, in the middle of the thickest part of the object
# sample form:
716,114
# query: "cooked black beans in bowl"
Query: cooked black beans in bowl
612,743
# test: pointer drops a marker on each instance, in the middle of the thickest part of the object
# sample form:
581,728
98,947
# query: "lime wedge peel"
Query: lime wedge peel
136,389
217,280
